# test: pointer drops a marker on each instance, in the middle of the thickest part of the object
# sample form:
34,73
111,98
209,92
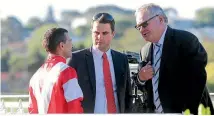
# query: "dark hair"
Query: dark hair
52,38
104,18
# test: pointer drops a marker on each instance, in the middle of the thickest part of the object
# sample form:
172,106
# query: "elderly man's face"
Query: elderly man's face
149,26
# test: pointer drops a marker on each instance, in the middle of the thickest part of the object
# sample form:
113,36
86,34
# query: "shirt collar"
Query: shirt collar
56,58
162,37
99,53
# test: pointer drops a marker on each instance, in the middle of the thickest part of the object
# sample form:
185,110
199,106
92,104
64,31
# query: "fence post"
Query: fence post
2,107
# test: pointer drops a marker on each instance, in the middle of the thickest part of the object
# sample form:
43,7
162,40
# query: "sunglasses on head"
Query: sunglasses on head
106,17
145,23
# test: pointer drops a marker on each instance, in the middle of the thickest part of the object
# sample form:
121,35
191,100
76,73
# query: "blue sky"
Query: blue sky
24,9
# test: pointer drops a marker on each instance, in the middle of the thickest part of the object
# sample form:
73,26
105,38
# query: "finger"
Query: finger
149,71
149,77
142,70
149,66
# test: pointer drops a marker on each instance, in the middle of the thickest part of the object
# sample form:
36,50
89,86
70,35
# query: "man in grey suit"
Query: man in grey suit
103,73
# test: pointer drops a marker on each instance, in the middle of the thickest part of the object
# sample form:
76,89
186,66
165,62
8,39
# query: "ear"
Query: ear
113,34
61,45
161,18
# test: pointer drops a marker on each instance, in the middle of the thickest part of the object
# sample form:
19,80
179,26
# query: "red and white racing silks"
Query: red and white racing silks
54,88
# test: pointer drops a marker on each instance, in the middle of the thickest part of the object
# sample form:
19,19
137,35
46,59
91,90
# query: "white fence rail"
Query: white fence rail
13,107
17,107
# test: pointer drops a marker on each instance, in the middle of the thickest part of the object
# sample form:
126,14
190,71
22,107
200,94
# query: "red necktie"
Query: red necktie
108,85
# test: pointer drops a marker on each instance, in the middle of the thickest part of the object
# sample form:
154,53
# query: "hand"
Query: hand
146,72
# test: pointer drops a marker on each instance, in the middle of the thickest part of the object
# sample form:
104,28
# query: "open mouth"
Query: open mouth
145,34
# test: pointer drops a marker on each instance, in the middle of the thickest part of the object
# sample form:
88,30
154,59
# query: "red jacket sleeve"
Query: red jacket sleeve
72,91
74,106
32,108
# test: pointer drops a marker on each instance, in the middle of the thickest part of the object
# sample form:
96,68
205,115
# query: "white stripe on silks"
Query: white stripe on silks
49,78
155,79
72,90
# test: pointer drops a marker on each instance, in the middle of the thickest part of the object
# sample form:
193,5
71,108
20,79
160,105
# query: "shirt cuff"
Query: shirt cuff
141,82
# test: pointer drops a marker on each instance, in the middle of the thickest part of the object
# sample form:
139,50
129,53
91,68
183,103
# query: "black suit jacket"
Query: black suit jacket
182,76
83,62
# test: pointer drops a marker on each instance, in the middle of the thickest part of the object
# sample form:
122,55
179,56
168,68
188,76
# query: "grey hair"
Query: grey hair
153,10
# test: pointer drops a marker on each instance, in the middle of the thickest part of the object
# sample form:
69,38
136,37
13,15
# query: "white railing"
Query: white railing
13,107
17,107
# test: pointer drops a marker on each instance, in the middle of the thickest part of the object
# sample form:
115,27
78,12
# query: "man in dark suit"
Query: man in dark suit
173,64
103,73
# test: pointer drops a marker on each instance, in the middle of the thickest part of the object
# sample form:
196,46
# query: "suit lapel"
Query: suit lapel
149,82
150,54
165,54
91,70
115,60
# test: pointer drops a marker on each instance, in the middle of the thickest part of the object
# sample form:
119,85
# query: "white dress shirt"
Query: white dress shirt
161,41
100,99
155,49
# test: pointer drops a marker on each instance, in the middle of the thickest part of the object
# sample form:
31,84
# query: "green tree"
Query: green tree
82,31
36,53
208,45
131,41
17,63
205,17
5,55
34,22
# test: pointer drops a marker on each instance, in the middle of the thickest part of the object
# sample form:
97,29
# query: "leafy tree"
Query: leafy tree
208,45
5,55
11,30
36,53
131,41
17,63
122,26
34,22
205,17
82,31
69,15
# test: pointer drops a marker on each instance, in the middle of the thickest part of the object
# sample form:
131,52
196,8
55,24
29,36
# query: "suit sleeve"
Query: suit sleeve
32,108
72,91
196,60
128,97
144,60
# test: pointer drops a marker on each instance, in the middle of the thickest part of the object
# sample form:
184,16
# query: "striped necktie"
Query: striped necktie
155,79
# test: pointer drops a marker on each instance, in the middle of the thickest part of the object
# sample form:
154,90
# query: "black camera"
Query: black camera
139,97
139,102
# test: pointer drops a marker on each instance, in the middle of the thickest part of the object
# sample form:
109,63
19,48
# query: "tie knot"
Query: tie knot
104,56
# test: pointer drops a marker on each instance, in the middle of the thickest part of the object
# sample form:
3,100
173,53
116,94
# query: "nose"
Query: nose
100,36
142,29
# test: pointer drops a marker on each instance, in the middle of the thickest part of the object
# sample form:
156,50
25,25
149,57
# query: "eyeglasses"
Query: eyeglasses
145,23
106,17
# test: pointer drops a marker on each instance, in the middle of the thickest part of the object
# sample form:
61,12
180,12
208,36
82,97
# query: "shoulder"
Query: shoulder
118,54
66,75
145,51
81,52
68,72
184,36
146,46
77,55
